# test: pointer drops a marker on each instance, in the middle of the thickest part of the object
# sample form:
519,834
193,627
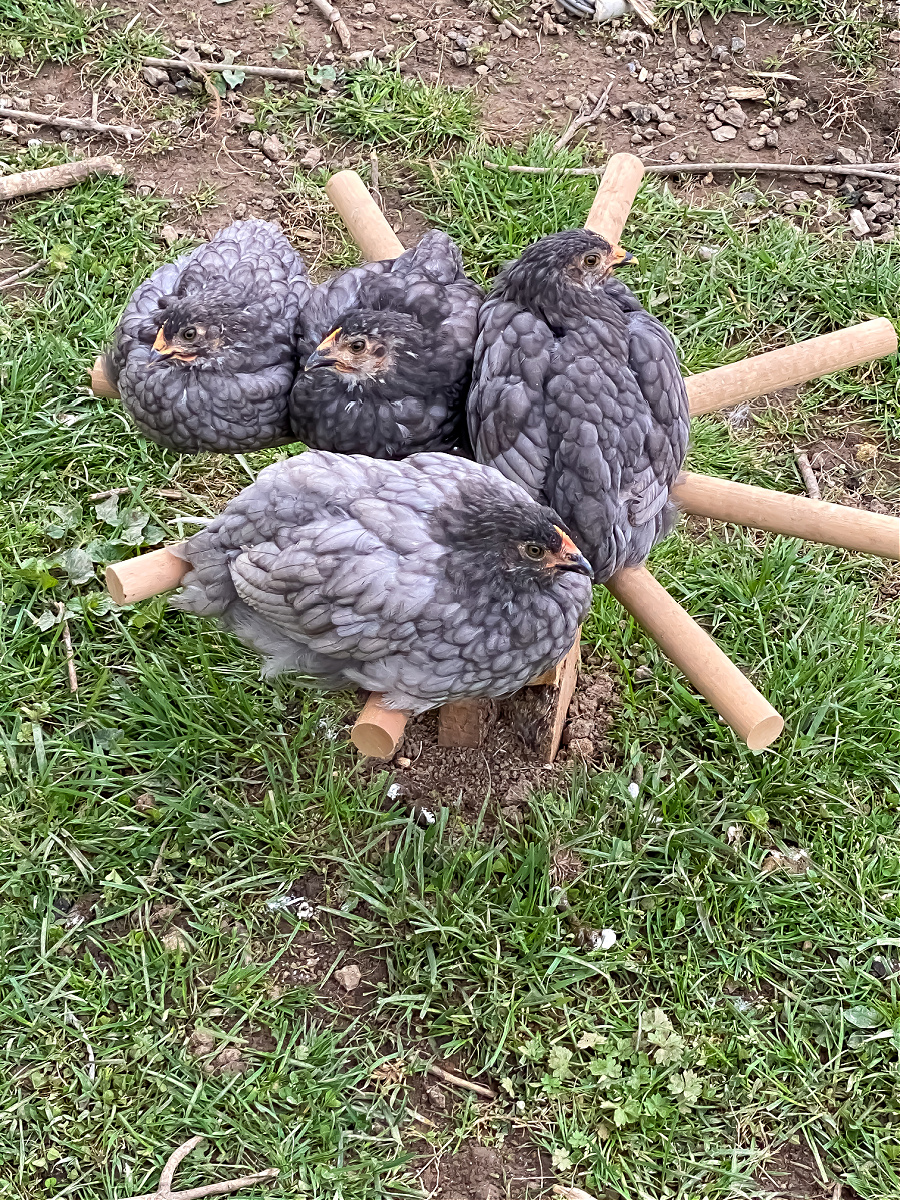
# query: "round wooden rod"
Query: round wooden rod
362,216
615,196
793,516
378,731
147,575
766,373
694,652
101,384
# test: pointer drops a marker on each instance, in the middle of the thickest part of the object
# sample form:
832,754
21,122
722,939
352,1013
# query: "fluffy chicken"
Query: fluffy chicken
204,355
578,397
385,358
430,580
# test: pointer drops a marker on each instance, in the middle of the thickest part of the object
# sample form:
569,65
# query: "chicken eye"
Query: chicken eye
591,260
533,551
357,345
189,334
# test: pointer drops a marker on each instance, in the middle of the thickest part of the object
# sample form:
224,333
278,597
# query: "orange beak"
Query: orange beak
161,348
621,255
323,355
569,557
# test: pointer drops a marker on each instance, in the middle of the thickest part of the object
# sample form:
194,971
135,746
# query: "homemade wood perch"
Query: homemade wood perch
27,183
85,124
224,1188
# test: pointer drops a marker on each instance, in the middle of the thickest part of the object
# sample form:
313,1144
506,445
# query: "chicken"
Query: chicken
204,354
430,580
577,396
386,356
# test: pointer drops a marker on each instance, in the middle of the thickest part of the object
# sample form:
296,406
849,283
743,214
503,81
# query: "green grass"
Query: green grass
737,1009
48,29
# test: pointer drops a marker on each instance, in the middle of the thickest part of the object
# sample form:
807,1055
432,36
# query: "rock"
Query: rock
311,158
175,940
145,187
267,204
349,977
724,133
582,746
738,45
706,253
800,197
421,35
396,17
858,224
482,69
713,122
772,138
746,199
756,143
735,116
369,10
403,762
459,57
273,149
572,103
208,50
244,118
846,153
229,1061
868,198
814,179
794,105
9,128
184,44
666,129
636,139
255,138
154,76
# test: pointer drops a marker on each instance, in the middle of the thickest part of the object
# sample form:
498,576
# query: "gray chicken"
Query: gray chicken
387,349
577,396
431,579
204,354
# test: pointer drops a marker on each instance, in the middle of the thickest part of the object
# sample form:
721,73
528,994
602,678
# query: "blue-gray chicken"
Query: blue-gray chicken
430,580
577,396
204,355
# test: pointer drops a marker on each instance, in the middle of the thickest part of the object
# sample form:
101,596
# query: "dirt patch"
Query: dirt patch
792,1173
514,1168
493,782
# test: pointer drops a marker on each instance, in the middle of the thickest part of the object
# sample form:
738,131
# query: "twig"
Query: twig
67,642
808,475
164,1191
26,183
183,64
478,1088
109,493
85,124
92,1062
11,279
583,119
212,92
95,105
330,13
374,180
860,170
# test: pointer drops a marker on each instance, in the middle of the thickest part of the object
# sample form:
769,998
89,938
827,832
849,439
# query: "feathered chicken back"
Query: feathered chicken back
430,579
385,356
577,395
204,353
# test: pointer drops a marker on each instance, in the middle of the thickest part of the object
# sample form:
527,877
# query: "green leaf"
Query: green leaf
321,76
108,510
282,52
558,1061
234,78
863,1018
757,816
77,565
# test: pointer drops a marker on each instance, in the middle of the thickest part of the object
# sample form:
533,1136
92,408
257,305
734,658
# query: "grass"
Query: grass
48,29
738,1009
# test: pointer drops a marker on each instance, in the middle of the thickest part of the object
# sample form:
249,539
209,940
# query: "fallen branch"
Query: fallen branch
11,279
67,642
478,1088
183,64
338,24
583,119
808,475
860,170
164,1191
85,124
26,183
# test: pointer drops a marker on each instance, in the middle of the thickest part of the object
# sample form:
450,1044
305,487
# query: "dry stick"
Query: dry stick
338,24
164,1191
687,168
85,124
584,119
478,1088
183,64
807,475
26,183
210,89
67,642
11,279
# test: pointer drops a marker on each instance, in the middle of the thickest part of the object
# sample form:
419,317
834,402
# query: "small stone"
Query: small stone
481,69
724,133
267,204
145,187
184,44
772,138
695,37
735,116
573,103
421,35
814,179
255,138
403,763
636,139
208,50
738,45
154,76
666,129
240,210
794,105
395,17
459,57
756,143
868,198
9,128
713,122
369,10
311,158
746,199
706,253
846,153
229,1062
791,117
349,977
175,941
800,197
858,224
273,149
303,9
582,746
437,1098
383,52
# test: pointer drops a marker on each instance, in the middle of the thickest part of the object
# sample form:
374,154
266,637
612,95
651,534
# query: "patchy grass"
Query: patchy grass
385,108
738,1009
48,29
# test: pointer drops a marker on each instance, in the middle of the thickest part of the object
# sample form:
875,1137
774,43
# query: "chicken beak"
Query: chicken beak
323,355
620,255
161,348
570,558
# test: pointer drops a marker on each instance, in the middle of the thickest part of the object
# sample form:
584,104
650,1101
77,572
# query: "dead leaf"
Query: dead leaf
795,862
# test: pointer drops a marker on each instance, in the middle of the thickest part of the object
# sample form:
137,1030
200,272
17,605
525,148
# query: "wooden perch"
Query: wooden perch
85,124
615,196
698,657
147,575
365,221
287,74
225,1188
26,183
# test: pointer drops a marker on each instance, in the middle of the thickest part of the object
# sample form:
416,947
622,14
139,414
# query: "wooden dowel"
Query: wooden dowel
362,216
147,575
766,373
101,384
793,516
694,652
378,731
615,196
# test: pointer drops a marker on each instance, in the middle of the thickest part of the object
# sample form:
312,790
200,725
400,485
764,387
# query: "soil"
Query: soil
792,1173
